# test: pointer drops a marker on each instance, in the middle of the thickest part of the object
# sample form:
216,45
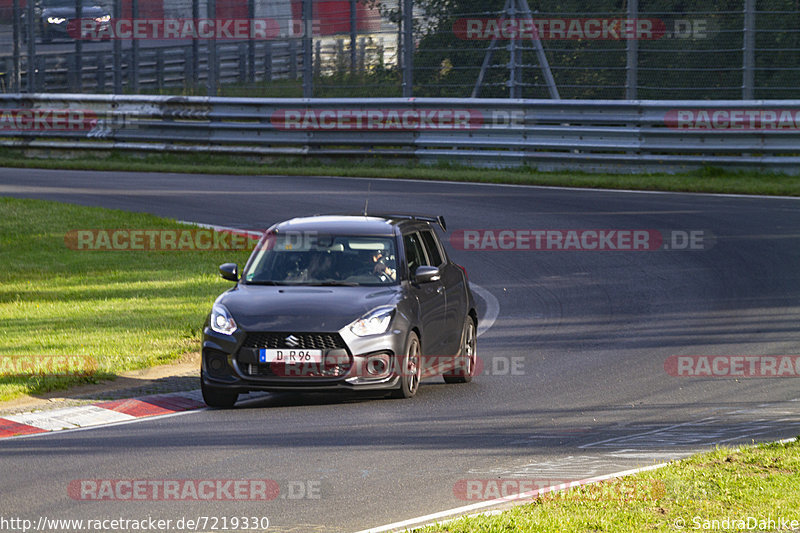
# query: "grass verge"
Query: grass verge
729,489
709,180
121,310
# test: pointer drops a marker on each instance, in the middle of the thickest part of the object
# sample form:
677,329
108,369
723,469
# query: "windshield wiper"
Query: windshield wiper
333,284
265,282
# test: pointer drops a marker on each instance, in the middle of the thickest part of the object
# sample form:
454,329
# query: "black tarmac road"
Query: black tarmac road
574,383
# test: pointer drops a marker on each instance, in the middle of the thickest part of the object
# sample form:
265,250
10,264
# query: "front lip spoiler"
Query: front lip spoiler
243,386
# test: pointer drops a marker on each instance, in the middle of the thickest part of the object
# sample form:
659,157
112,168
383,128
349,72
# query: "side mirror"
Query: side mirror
229,271
426,274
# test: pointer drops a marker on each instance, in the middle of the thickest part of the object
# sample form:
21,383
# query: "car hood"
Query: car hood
296,308
69,12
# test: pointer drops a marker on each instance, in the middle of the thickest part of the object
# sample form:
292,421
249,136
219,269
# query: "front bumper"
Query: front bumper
230,362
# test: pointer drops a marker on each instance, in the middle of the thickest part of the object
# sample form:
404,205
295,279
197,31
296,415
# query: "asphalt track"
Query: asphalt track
592,331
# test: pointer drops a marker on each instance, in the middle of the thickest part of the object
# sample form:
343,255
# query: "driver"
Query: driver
380,267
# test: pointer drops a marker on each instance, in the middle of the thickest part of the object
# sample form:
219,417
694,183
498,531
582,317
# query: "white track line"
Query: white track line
492,308
476,508
554,187
518,499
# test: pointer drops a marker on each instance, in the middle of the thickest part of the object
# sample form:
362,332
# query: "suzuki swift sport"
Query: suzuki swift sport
358,303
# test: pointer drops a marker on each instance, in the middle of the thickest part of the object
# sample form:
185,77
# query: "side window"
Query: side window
414,253
432,248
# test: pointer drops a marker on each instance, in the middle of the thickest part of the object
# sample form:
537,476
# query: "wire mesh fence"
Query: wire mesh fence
634,49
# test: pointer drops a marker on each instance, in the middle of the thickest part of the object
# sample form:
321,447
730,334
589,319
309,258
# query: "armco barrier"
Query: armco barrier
607,135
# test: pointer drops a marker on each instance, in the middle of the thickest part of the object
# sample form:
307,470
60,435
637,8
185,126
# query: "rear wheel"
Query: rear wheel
465,362
215,397
410,369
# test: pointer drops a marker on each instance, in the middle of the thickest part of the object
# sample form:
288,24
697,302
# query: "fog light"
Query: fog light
216,363
377,365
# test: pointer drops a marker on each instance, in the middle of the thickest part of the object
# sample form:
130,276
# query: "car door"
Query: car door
431,297
454,290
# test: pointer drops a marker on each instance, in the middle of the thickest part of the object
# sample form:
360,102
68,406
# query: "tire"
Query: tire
410,370
215,397
467,355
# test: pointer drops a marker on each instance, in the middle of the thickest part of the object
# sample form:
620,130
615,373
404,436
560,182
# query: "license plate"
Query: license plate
272,355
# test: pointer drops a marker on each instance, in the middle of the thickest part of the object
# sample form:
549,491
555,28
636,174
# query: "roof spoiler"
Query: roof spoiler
438,219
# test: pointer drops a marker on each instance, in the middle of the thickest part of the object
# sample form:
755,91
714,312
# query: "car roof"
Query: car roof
346,225
374,225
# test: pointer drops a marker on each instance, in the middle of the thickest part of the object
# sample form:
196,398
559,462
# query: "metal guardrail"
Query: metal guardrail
163,67
600,135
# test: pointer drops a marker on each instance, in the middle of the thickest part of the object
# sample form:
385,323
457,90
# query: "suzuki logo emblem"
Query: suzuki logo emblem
292,341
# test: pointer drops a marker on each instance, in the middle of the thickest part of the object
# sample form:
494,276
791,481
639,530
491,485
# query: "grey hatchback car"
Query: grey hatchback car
359,303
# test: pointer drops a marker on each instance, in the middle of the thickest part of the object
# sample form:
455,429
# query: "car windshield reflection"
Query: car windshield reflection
323,260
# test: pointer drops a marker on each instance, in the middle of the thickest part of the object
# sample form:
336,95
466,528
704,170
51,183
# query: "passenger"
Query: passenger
380,267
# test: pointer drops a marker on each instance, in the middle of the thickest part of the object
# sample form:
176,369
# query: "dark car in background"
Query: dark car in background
57,19
358,303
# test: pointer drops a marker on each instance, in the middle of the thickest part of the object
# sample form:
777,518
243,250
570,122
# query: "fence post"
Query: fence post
134,64
353,38
632,67
195,63
159,69
16,77
117,14
31,84
100,75
749,50
243,61
40,71
308,73
513,59
408,48
317,59
79,47
292,63
267,61
213,64
251,44
362,56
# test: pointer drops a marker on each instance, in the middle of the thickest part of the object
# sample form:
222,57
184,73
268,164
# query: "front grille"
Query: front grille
306,341
280,370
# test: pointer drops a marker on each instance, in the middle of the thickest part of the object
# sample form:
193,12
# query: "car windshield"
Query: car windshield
314,259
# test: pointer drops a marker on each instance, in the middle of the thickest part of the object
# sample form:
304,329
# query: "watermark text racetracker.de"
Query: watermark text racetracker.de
595,240
126,239
88,122
144,490
738,119
616,490
733,366
144,523
292,363
583,28
47,365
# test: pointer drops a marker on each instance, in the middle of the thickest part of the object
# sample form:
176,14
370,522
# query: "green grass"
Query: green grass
760,481
704,180
123,309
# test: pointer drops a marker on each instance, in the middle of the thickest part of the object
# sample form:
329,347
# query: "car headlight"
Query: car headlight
56,20
373,323
222,321
104,18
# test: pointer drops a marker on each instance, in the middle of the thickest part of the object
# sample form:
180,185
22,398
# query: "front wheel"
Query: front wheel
410,369
215,397
467,356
